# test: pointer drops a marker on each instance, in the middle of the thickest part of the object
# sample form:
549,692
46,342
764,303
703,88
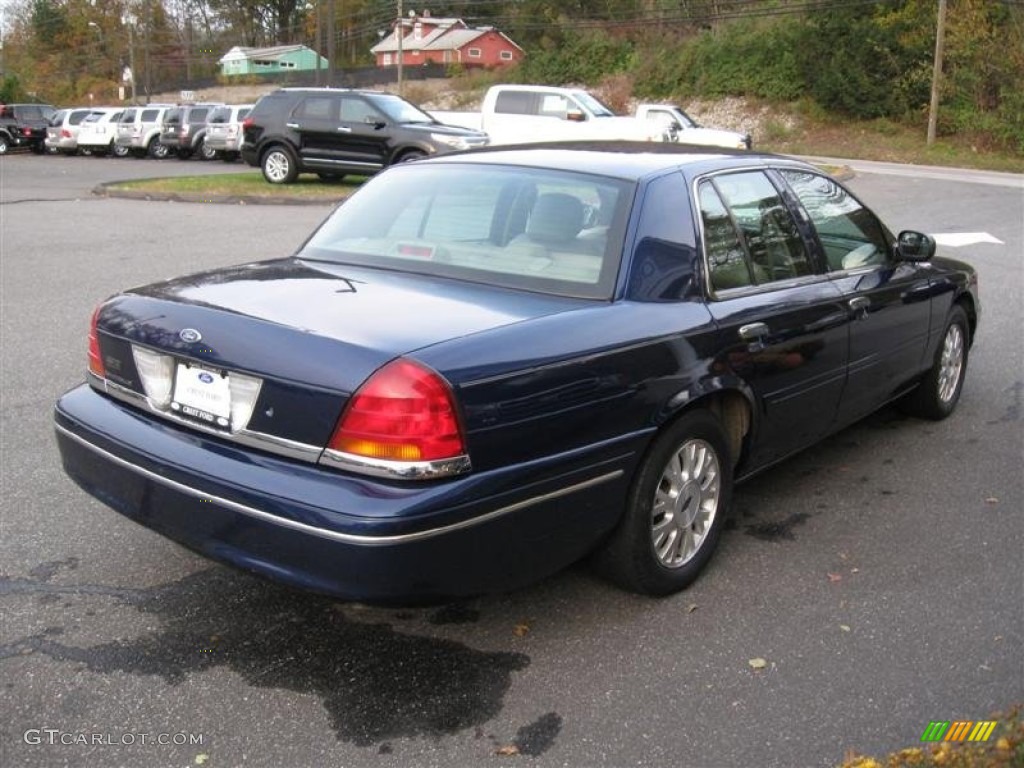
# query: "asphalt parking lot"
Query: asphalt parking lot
879,576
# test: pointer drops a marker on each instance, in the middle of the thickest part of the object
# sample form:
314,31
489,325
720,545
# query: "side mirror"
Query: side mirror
575,116
915,246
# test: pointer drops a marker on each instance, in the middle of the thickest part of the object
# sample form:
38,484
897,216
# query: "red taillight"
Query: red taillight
247,123
95,359
26,131
403,412
65,133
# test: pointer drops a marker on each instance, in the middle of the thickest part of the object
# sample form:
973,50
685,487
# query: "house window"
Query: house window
417,31
506,55
387,59
474,53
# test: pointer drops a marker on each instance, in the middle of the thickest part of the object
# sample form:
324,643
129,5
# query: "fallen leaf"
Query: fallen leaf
507,750
521,629
201,758
757,663
991,500
691,608
834,577
844,627
855,570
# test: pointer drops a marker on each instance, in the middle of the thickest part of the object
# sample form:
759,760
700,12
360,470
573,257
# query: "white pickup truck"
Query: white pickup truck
686,129
518,114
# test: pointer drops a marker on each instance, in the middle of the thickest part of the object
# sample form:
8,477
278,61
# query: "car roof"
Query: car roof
629,160
328,89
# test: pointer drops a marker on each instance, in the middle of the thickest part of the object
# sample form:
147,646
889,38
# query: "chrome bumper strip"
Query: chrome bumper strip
346,538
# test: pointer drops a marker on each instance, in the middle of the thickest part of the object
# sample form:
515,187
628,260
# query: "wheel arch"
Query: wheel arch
966,302
405,149
731,403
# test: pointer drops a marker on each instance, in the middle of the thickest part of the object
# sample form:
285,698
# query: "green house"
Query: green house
279,58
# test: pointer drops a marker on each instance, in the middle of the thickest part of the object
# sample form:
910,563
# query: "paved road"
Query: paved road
879,575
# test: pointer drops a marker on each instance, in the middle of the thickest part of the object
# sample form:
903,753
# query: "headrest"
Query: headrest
555,218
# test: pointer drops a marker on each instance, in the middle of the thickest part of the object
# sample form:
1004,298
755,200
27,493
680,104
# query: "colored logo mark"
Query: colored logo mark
958,730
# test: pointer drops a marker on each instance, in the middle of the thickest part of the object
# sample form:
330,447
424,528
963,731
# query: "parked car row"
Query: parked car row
208,131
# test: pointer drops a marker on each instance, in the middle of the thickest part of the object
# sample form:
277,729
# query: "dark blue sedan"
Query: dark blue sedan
486,366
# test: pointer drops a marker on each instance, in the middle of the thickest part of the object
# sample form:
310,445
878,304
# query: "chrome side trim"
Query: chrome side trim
403,470
346,538
280,446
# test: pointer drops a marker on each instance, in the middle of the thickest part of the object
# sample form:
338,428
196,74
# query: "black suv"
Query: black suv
335,131
24,125
184,130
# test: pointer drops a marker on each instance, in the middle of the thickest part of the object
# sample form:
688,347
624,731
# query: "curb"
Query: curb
107,189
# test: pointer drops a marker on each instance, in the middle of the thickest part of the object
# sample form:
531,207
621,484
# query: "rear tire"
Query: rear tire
4,145
118,150
205,152
279,166
939,392
156,150
675,510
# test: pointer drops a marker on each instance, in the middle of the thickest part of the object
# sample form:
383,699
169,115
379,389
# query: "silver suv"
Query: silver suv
139,130
62,133
224,130
184,130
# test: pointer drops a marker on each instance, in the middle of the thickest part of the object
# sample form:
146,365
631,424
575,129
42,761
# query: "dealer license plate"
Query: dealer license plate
203,394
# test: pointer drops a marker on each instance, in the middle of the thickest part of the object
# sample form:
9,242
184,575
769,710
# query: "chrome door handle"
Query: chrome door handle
344,129
859,306
293,126
753,331
754,334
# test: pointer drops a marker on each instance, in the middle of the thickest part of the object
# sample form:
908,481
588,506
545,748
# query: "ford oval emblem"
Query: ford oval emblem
206,378
190,335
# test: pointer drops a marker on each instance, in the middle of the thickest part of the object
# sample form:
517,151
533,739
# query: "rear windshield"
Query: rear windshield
540,230
220,115
171,116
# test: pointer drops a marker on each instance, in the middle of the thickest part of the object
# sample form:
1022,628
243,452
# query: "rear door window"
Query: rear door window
750,235
515,103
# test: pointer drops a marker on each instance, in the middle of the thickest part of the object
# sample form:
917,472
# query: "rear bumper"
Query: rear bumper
343,535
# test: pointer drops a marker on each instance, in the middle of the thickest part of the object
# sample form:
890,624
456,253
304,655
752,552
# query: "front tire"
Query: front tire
4,145
205,152
939,392
675,510
410,155
279,166
119,150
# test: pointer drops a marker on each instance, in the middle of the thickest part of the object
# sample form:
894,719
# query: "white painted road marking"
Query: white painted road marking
960,239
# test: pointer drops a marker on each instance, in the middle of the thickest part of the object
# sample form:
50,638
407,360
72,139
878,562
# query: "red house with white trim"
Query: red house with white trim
426,39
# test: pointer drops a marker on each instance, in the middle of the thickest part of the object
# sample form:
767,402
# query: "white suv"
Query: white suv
139,130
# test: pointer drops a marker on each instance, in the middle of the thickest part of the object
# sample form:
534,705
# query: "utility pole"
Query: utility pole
399,32
330,42
940,42
318,45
